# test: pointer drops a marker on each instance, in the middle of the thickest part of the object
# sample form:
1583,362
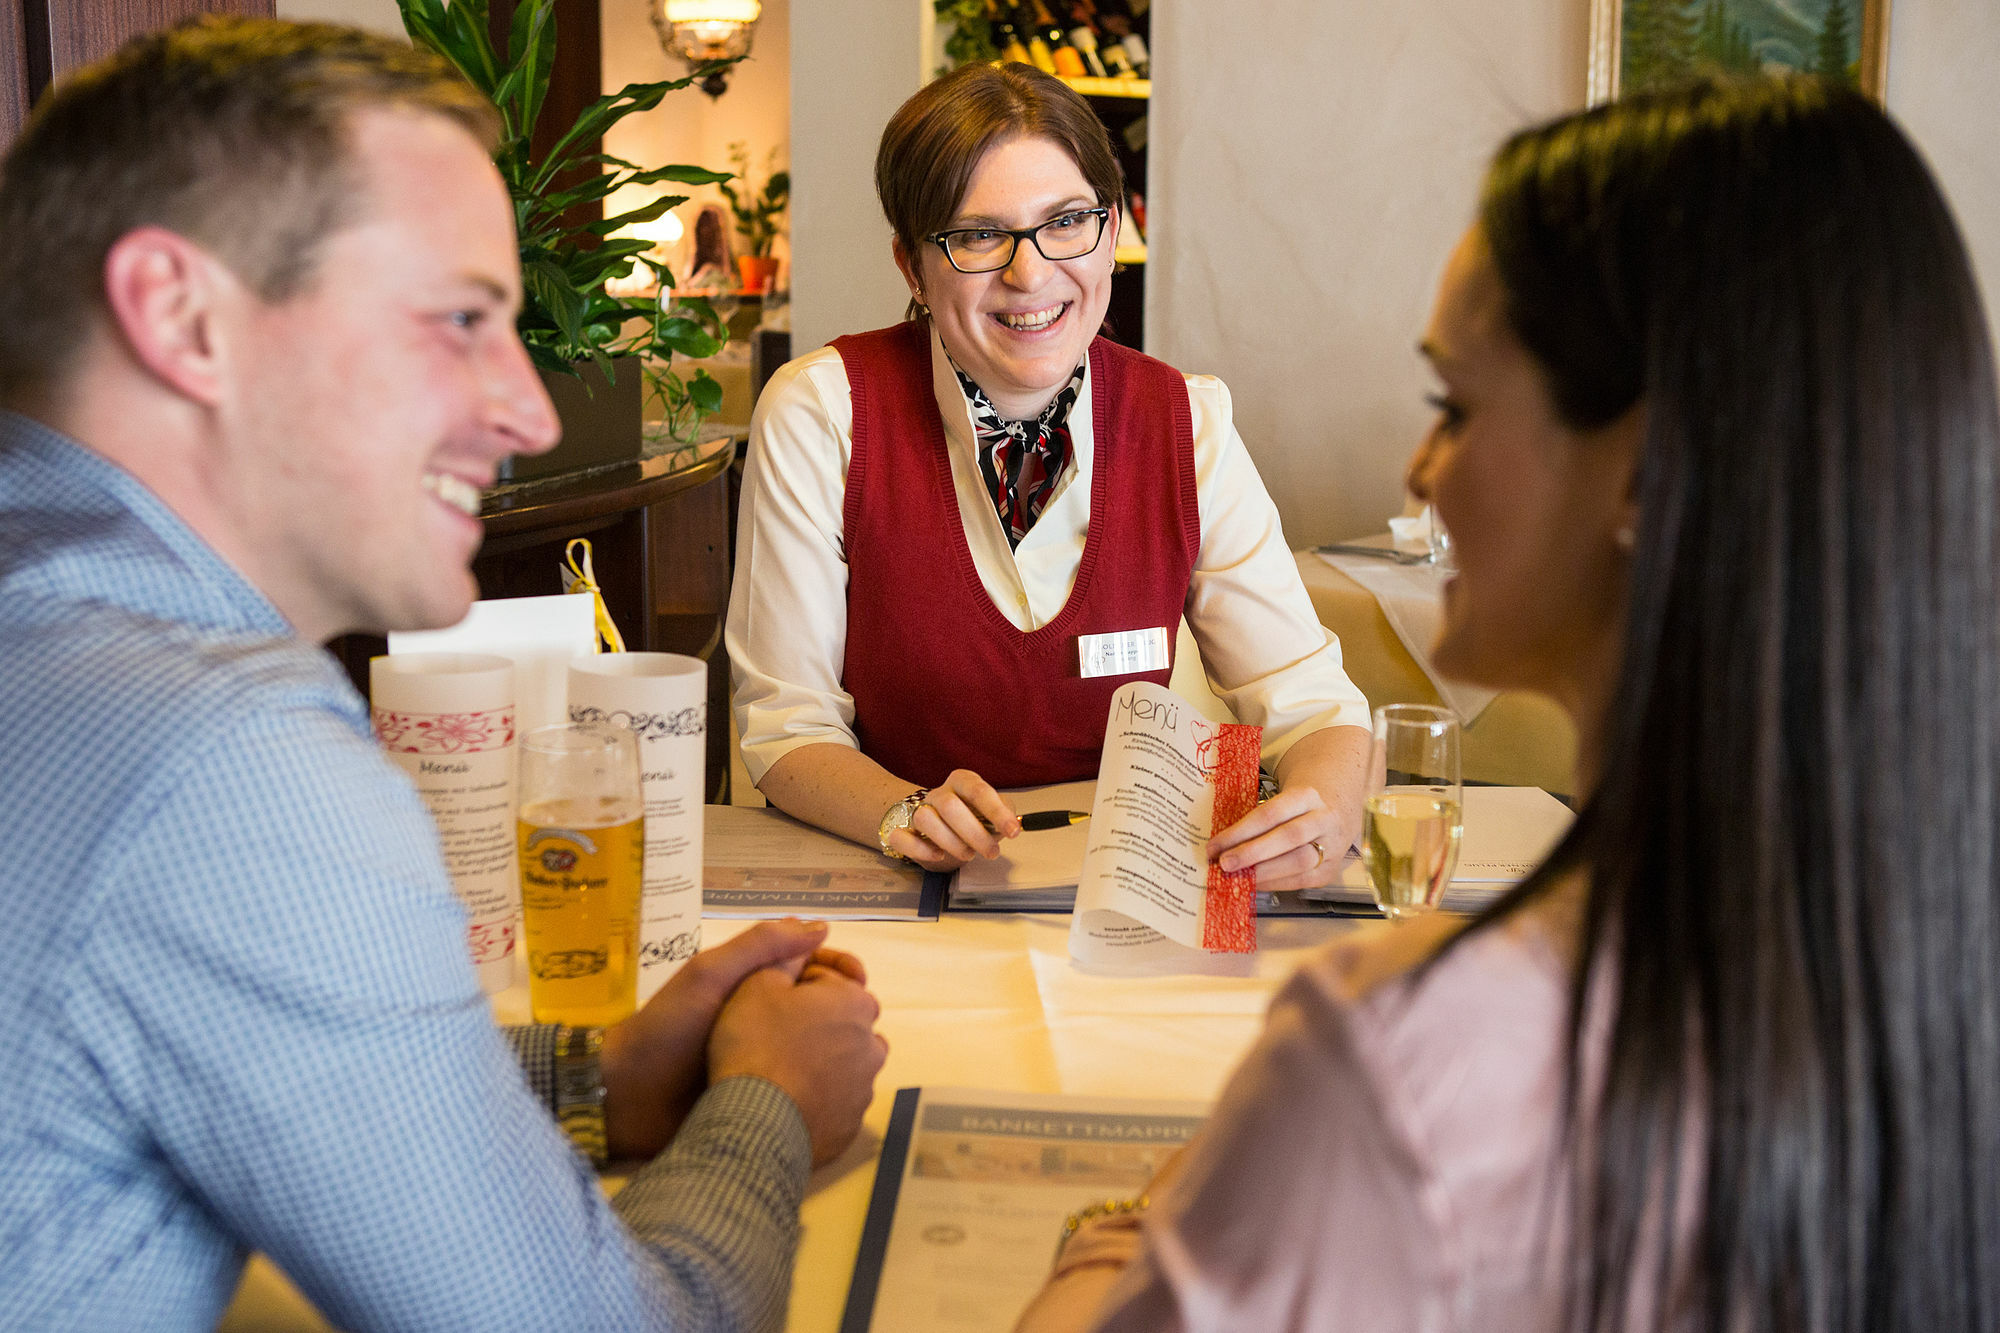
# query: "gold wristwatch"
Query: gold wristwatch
899,816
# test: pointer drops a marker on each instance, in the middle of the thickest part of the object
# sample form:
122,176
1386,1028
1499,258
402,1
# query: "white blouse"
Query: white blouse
1266,654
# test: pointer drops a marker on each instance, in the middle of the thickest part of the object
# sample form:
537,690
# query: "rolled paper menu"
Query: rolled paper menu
448,720
663,699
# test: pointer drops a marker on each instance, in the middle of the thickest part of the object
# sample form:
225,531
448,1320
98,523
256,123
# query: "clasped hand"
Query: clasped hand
770,1002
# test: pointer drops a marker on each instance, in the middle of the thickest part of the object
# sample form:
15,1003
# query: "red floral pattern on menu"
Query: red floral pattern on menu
491,942
444,733
1229,911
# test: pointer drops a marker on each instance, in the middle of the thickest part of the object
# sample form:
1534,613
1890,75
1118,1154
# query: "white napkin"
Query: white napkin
1412,597
540,635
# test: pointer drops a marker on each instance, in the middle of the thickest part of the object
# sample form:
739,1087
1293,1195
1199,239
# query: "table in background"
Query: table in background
974,1001
1520,740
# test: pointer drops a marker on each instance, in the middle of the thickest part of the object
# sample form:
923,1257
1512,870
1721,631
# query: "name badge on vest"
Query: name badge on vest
1123,653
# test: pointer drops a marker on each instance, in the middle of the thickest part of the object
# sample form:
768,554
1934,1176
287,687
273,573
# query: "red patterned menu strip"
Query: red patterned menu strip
444,733
1229,914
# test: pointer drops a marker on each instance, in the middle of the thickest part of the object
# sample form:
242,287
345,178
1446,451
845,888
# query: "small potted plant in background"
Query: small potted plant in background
757,215
589,344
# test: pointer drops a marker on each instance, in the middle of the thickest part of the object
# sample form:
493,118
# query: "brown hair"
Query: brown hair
229,131
936,138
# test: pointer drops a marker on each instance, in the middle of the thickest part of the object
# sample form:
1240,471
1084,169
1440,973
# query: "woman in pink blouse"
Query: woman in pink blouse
1718,444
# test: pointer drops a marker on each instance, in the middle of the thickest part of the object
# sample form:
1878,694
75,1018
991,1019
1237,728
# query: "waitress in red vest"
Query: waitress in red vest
960,535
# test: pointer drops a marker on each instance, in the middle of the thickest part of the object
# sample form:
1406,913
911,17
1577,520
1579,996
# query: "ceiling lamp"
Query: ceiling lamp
702,31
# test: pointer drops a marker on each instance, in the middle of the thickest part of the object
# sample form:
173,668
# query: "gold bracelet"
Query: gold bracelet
580,1090
1105,1208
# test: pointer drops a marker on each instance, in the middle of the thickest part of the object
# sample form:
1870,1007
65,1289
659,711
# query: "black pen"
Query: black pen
1036,820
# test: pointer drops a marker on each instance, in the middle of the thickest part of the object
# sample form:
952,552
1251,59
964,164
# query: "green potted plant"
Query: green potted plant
592,347
757,215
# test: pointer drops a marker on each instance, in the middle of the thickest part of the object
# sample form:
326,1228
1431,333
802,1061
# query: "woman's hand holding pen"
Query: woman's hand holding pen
962,818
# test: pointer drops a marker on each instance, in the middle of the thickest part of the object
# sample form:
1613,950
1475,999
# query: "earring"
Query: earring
922,308
1626,537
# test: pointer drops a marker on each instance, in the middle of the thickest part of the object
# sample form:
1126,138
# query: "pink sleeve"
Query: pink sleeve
1298,1203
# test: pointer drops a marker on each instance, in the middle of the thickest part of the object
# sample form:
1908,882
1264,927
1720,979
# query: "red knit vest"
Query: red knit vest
940,678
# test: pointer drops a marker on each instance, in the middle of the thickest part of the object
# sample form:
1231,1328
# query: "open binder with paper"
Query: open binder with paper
1150,838
971,1194
1136,872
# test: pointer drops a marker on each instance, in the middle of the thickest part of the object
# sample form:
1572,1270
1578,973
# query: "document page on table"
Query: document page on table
1040,867
1149,896
981,1191
763,863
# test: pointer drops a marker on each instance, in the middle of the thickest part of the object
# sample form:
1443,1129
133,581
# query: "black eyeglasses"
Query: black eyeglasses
1070,235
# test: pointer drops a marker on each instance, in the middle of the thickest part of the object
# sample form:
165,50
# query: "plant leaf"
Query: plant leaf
558,296
547,359
465,24
537,56
599,115
647,214
662,275
706,393
686,337
680,175
702,311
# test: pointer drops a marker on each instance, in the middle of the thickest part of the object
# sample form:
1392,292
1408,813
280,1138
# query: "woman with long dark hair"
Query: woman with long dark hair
1718,443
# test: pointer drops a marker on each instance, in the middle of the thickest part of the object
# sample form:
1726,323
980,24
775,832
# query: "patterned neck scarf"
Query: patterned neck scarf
1021,460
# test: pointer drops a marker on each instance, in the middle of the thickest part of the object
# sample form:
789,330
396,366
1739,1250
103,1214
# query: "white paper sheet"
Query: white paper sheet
540,635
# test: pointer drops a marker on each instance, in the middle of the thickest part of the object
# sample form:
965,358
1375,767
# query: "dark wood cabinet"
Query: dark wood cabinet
42,40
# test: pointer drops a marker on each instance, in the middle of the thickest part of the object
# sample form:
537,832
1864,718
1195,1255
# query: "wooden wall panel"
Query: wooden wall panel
13,70
63,34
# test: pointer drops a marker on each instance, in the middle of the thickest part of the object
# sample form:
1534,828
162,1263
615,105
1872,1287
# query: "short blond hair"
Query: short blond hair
230,131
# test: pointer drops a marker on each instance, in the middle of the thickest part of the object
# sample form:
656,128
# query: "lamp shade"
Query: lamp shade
700,31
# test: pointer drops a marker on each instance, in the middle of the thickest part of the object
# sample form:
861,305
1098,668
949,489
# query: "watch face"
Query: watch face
899,816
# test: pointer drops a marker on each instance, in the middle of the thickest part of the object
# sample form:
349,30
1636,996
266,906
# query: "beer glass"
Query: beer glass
1412,821
581,827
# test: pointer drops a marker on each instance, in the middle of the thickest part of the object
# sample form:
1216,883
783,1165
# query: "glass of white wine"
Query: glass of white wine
1413,819
582,832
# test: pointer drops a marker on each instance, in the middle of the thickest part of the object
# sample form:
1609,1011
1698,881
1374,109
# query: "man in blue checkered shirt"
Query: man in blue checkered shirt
257,356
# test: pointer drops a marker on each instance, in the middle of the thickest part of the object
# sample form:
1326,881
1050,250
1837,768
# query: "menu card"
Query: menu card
447,719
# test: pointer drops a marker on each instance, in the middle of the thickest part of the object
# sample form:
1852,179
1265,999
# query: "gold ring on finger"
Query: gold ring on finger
1320,852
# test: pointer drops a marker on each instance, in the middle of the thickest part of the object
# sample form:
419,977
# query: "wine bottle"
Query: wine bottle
1116,18
1006,36
1142,60
1083,36
1067,62
1039,54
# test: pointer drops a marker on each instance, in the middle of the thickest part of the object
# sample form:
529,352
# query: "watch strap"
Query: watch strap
580,1090
898,816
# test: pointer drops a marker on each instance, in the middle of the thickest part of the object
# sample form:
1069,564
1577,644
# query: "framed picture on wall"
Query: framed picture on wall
1637,44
